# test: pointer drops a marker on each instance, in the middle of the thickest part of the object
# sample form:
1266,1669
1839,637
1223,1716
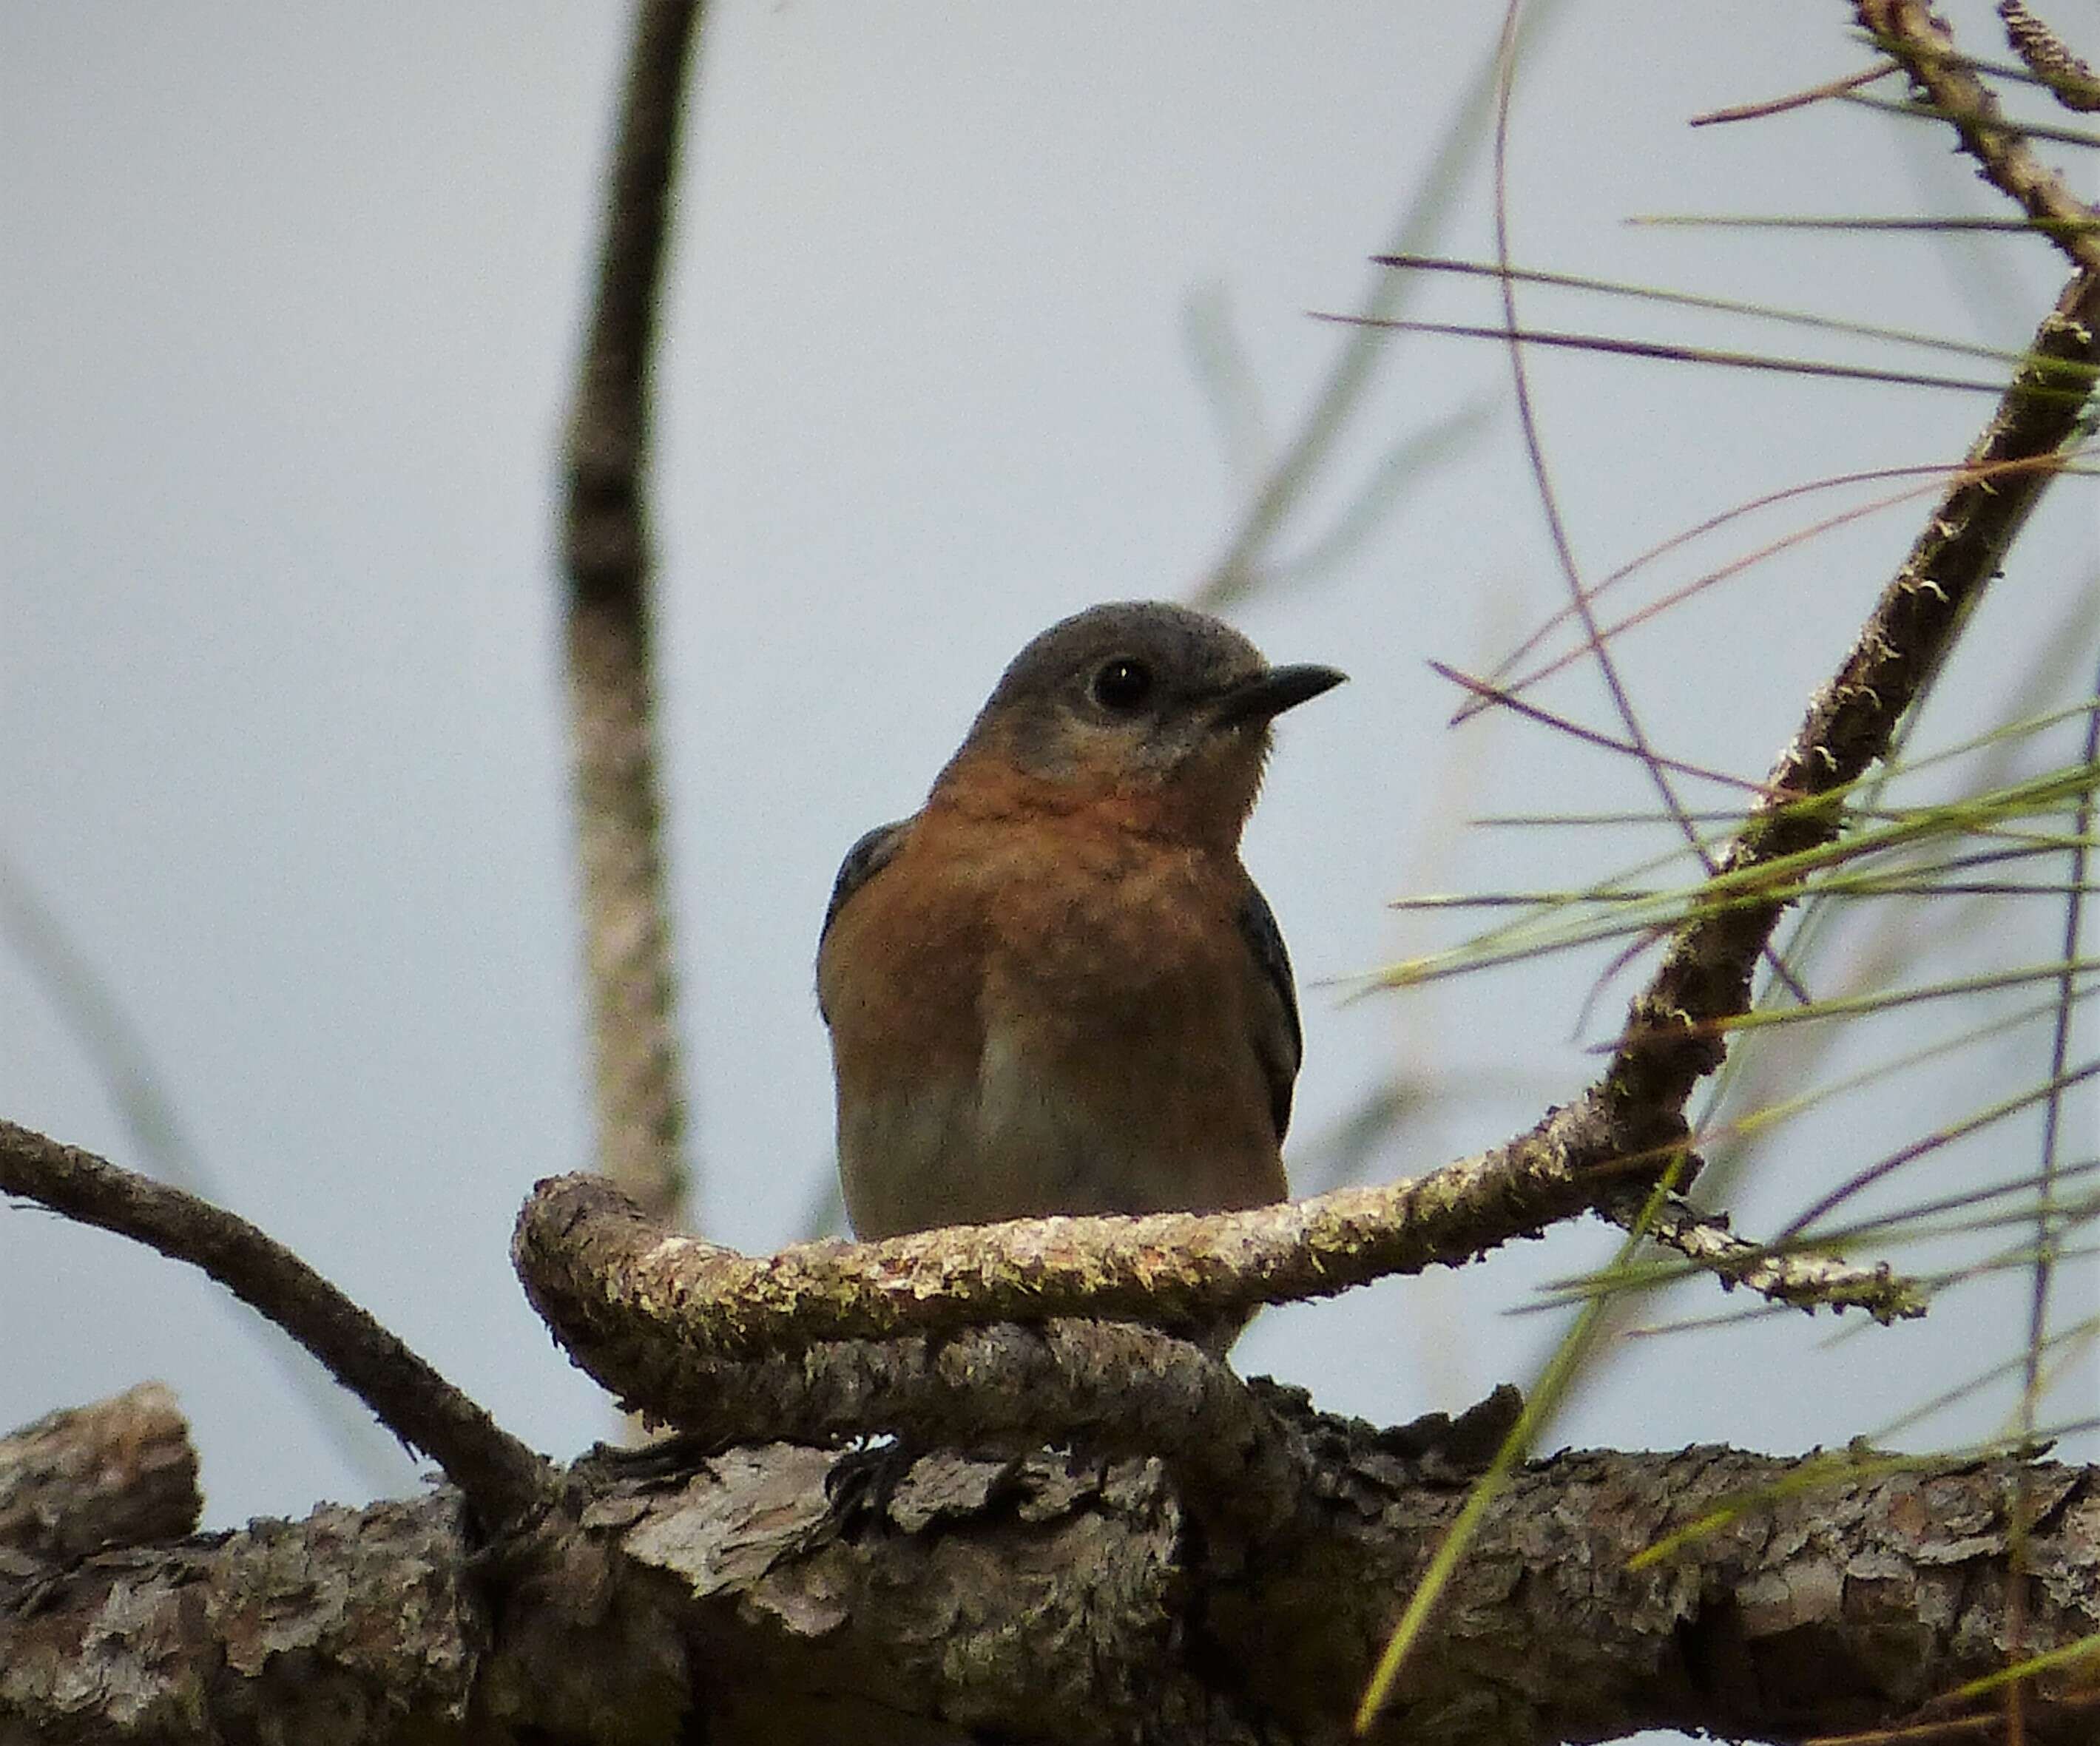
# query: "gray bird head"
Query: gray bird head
1142,699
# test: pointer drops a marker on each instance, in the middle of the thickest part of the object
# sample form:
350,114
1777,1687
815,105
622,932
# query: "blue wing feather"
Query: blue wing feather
1280,1050
863,861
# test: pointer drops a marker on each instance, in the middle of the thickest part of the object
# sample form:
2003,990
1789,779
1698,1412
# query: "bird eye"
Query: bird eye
1122,685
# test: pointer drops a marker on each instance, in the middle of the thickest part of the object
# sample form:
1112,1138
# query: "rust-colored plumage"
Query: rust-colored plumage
1055,989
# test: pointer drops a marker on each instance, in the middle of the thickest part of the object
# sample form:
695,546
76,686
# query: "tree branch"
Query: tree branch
634,1048
733,1348
1910,32
623,1295
501,1479
120,1473
1670,1041
765,1594
2044,54
1803,1282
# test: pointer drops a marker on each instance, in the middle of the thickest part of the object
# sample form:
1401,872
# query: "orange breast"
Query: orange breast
1052,1016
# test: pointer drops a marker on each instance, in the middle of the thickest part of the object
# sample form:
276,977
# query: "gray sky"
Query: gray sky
290,304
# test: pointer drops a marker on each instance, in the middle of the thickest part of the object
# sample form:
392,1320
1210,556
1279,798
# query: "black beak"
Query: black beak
1267,695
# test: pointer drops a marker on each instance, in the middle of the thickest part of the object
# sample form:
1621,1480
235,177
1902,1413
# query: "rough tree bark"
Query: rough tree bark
785,1593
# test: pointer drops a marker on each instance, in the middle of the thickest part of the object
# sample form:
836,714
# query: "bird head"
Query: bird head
1154,708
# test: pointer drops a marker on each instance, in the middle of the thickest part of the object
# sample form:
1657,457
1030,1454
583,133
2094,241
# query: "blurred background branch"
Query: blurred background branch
641,1102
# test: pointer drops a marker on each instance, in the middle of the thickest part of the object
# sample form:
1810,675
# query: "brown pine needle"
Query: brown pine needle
1754,111
1591,736
1718,356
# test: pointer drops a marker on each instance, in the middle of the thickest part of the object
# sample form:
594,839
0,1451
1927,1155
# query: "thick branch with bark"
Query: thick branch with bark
119,1473
788,1594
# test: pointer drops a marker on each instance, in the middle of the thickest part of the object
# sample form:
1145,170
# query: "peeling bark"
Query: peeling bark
119,1473
789,1594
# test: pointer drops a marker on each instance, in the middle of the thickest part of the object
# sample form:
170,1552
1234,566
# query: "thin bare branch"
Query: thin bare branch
503,1480
106,1034
634,1049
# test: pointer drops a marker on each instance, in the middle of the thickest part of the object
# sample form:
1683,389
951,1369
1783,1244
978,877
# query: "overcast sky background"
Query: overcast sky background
291,302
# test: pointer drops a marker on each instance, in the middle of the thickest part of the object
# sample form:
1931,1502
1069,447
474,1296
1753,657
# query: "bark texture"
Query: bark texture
791,1594
119,1473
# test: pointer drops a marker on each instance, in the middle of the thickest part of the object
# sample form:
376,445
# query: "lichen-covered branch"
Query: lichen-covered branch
639,1311
590,1260
500,1477
663,1318
1802,1280
1109,1388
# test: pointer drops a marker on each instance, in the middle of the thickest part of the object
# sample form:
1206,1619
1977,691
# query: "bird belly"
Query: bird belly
1081,1042
908,1152
1105,1119
1024,1140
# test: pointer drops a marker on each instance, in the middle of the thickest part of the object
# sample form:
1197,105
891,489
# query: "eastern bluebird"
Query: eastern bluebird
1054,989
